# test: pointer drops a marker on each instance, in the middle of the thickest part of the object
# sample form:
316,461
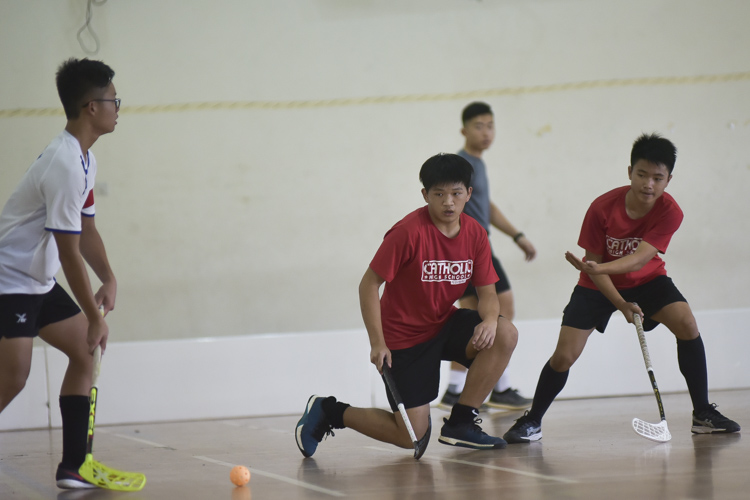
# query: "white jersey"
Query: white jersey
51,197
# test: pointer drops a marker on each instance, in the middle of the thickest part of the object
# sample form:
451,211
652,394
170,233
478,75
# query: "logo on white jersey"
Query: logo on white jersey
454,272
21,318
621,247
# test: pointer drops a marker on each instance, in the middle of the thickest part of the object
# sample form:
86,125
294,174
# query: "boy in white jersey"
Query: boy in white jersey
48,223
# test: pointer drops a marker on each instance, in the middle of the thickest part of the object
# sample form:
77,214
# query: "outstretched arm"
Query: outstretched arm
369,302
68,246
93,252
604,283
498,219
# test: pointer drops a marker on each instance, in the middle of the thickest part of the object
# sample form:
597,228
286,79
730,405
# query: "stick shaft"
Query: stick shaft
92,398
647,360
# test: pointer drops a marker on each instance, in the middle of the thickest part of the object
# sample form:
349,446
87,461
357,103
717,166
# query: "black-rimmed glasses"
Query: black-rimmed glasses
116,101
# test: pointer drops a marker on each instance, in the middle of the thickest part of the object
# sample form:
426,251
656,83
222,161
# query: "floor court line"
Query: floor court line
487,466
137,440
276,476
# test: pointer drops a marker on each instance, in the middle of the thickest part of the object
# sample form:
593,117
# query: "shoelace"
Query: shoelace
322,431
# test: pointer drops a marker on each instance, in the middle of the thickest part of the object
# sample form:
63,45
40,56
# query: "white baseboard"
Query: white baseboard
256,375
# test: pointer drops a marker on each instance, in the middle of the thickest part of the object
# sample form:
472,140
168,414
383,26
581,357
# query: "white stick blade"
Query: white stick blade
655,432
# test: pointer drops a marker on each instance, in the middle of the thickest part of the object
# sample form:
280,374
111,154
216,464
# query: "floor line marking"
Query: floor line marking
143,441
275,476
487,466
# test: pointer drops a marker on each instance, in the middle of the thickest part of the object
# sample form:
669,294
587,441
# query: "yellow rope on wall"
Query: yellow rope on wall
329,103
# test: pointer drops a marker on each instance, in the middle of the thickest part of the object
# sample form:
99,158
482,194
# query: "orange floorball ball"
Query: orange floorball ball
239,475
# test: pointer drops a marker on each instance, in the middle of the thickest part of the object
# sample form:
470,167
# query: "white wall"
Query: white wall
254,375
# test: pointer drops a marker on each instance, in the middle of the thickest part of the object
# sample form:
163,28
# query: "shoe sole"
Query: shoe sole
74,484
711,430
468,444
301,424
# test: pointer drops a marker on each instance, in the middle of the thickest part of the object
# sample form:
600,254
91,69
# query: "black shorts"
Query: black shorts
23,315
589,308
502,284
416,369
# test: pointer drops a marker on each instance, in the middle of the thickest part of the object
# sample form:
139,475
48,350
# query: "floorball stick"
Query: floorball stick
97,473
420,445
655,432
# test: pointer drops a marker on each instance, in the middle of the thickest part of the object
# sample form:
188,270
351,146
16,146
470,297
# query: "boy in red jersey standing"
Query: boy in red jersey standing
426,262
623,233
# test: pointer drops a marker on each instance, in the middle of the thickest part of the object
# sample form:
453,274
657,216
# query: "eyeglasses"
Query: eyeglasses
116,101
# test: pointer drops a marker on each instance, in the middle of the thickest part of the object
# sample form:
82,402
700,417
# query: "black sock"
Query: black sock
462,414
691,356
549,386
334,411
75,429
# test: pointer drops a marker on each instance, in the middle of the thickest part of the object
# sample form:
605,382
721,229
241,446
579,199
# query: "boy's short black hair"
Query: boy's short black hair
77,79
655,149
446,168
475,109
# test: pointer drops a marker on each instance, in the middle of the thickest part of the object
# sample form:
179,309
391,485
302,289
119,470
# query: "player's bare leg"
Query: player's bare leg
69,336
678,317
15,365
569,347
502,395
386,426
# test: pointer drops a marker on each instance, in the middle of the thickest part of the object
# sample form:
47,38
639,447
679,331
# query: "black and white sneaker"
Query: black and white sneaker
524,430
710,421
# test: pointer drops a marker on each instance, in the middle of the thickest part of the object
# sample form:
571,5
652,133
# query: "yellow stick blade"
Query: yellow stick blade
110,479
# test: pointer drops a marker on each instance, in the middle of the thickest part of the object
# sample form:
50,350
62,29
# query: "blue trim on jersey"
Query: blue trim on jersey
86,215
85,170
61,231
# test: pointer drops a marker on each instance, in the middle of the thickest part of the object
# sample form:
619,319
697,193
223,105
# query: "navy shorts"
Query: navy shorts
502,284
416,369
23,315
589,308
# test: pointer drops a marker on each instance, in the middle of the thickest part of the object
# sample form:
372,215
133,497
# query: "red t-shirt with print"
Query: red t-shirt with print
608,231
425,273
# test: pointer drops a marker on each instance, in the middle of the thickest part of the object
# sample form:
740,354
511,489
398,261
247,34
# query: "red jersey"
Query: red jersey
425,273
608,231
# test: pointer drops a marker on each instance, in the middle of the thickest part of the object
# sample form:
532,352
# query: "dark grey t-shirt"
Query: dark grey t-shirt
479,204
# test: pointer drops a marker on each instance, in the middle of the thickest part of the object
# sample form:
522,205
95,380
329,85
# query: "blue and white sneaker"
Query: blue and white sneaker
69,479
524,430
469,435
312,427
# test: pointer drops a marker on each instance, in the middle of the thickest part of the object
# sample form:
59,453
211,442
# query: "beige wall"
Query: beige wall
253,219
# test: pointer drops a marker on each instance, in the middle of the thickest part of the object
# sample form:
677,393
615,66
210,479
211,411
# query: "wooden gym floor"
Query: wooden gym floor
589,451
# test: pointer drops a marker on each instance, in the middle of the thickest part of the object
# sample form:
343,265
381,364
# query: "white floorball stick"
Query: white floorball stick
655,432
